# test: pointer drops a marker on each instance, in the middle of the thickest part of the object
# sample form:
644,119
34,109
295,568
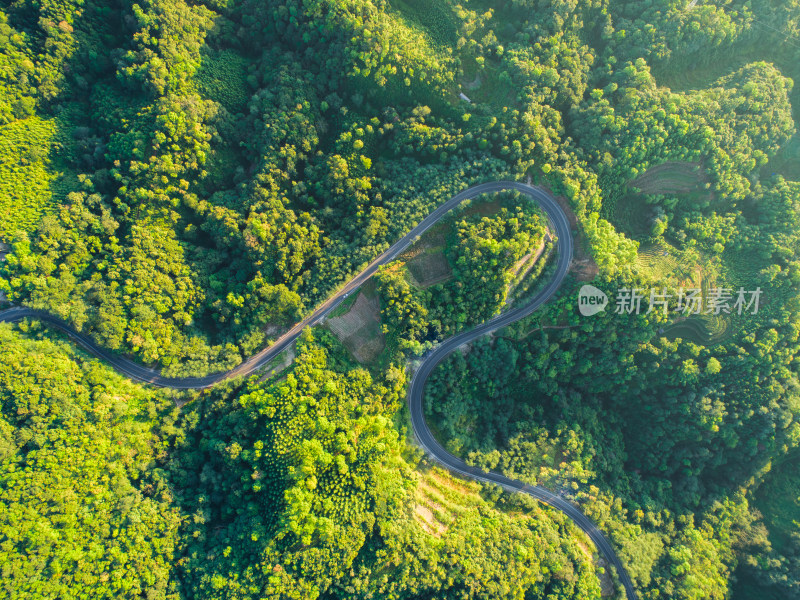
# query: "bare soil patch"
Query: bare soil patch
427,521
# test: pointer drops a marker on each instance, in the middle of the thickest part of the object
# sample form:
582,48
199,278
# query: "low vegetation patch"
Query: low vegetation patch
430,267
671,178
359,329
27,175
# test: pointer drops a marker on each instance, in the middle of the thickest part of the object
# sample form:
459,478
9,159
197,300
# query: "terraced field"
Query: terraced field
634,215
703,330
659,262
441,499
671,178
664,265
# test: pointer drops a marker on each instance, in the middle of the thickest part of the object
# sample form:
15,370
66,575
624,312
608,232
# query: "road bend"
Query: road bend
558,222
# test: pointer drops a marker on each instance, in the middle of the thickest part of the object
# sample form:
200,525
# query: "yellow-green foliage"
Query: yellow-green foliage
80,518
26,174
412,63
16,100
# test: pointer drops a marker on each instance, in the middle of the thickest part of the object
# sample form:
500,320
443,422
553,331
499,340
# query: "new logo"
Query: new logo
591,300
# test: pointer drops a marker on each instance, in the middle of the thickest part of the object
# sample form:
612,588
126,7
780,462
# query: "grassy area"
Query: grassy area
484,206
536,324
665,266
278,366
741,268
344,306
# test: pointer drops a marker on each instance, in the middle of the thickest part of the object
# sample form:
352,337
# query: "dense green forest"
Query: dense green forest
87,509
184,181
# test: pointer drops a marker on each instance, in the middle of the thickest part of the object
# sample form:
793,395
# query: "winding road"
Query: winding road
559,223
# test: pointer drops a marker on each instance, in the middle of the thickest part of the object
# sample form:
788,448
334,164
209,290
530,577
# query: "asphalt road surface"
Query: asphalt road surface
559,223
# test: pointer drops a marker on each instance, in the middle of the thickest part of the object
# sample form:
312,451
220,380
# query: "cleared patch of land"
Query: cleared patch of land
430,267
426,261
359,329
671,178
440,499
281,362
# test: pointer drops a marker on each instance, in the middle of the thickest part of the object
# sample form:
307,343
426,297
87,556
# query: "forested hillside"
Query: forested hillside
184,181
86,508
